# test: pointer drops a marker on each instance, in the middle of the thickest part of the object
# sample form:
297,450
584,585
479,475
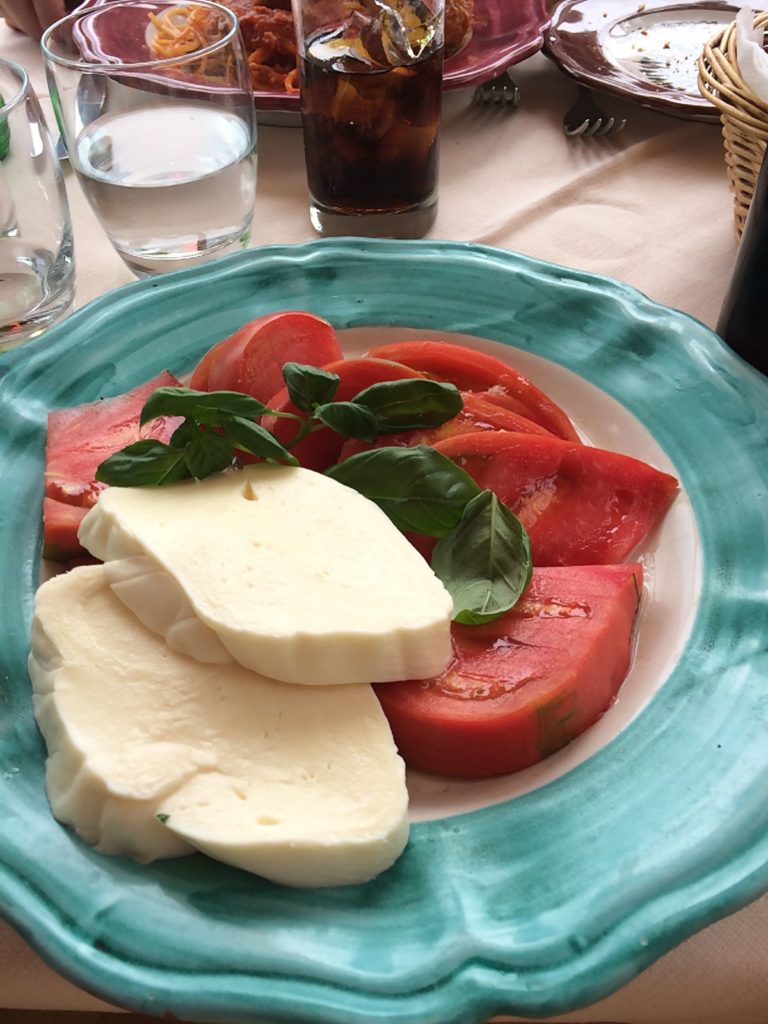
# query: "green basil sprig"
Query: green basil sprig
146,463
248,436
309,385
418,488
410,404
485,562
384,408
201,406
484,555
216,424
348,419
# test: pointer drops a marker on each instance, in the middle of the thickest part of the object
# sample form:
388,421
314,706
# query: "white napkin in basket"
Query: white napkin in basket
751,57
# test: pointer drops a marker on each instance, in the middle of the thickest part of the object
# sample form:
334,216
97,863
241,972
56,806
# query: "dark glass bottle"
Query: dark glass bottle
743,321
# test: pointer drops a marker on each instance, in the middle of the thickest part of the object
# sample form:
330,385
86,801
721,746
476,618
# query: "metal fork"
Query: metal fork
587,119
502,90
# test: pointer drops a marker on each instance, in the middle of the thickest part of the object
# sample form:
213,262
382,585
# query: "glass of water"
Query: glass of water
155,104
36,264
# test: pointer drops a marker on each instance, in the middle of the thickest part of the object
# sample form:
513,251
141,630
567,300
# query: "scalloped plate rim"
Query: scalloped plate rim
112,978
664,99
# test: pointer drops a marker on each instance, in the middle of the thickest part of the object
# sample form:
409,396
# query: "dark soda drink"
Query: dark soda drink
370,129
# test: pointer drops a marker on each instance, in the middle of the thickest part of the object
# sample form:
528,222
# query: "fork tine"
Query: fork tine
503,91
595,123
578,130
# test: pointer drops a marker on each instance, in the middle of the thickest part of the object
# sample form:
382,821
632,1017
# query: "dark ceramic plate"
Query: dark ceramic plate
642,51
504,33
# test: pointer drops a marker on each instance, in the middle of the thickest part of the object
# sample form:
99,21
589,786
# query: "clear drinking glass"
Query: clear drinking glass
155,104
36,262
371,95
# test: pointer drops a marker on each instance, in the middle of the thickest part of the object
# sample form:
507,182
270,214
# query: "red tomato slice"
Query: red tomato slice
474,371
60,525
251,360
522,687
200,375
321,449
580,505
80,438
476,415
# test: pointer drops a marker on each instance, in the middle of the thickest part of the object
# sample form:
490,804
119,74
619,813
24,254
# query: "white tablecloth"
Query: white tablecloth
650,207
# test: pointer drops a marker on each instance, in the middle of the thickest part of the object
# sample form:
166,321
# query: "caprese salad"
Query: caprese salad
303,569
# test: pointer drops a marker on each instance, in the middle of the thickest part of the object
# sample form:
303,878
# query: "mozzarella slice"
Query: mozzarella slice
157,601
295,575
152,754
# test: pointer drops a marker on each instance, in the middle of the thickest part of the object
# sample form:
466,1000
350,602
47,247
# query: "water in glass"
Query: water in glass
155,102
170,183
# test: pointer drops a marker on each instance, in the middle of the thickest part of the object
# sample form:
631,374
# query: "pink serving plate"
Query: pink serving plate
505,32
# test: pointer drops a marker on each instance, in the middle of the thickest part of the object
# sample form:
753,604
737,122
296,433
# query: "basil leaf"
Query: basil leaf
485,562
418,488
203,406
183,434
252,437
309,385
410,404
349,419
144,464
207,453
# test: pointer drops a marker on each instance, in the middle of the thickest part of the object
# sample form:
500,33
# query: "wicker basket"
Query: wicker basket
744,115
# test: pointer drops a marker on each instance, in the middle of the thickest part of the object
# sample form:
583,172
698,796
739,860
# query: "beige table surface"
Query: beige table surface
650,207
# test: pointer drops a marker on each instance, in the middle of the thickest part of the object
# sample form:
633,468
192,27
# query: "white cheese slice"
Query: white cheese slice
293,574
157,600
301,785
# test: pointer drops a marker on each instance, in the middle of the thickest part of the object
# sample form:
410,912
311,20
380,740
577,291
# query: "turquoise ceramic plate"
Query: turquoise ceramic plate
532,905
